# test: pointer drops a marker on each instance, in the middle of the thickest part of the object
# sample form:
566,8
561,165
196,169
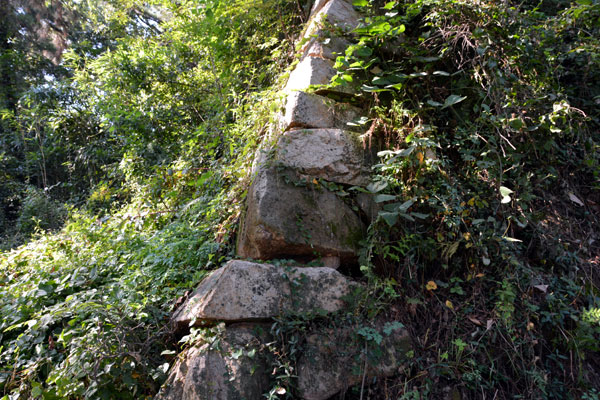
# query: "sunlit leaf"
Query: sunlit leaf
377,186
505,193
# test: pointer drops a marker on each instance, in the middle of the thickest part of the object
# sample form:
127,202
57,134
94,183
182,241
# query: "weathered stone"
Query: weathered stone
332,154
242,290
306,110
314,71
317,5
367,205
226,373
331,262
329,48
284,220
336,13
310,71
334,360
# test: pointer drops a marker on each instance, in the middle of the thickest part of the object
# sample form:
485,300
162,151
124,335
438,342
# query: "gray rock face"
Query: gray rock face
337,13
332,154
304,110
284,220
335,360
329,48
317,5
243,290
234,371
315,71
367,205
310,71
331,262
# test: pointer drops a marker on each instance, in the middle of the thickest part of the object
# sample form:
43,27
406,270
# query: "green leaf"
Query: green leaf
373,89
406,205
390,327
389,5
36,389
389,217
419,215
516,123
237,354
397,153
396,86
398,29
452,100
407,216
370,334
505,193
425,59
360,3
378,186
378,80
363,51
375,29
380,198
434,103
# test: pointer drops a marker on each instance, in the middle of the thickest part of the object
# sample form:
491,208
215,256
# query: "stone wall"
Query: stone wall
292,215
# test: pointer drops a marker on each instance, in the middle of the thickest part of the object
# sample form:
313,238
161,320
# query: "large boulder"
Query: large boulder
231,368
335,155
290,218
336,359
242,291
305,110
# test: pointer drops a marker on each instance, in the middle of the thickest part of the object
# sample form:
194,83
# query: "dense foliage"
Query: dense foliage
123,166
139,146
487,241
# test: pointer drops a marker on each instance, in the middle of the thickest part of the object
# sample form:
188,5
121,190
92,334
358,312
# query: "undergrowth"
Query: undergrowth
486,245
159,131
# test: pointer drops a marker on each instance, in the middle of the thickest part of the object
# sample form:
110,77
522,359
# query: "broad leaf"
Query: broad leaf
378,186
452,100
389,217
380,198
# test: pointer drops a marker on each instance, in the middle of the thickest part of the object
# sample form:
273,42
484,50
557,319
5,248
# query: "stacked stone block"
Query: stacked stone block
291,215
